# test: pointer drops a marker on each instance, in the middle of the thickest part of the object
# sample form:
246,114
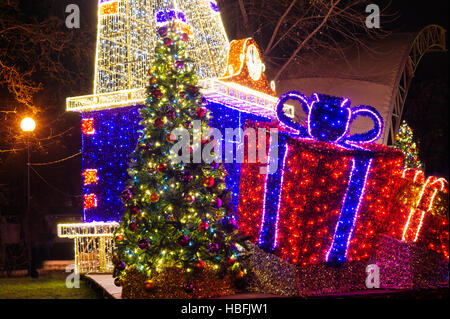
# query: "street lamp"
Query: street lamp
28,125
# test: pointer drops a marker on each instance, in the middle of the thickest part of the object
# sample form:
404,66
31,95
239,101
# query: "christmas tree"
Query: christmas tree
177,218
404,141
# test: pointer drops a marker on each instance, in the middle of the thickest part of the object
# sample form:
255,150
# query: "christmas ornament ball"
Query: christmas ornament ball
199,265
159,123
168,42
154,197
208,182
161,167
119,237
189,199
149,285
171,138
188,288
143,244
200,112
121,265
184,37
183,241
203,226
117,282
132,226
214,248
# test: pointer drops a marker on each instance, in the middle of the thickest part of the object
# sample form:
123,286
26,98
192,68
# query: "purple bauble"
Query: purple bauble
126,195
187,177
217,203
162,31
179,64
121,265
143,244
229,224
183,241
214,248
215,165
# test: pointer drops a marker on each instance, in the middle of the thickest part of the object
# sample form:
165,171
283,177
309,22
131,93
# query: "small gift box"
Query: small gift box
329,195
421,211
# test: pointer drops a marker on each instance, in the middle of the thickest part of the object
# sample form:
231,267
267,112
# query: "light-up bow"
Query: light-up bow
329,118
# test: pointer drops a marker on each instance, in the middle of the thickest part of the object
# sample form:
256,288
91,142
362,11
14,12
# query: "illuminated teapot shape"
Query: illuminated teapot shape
329,118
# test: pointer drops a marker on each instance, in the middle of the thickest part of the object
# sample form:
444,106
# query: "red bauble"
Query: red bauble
208,182
192,89
119,237
162,167
183,241
189,199
157,93
214,248
240,275
135,210
168,42
231,261
132,226
171,138
154,197
159,123
185,37
203,226
121,265
149,285
200,112
199,265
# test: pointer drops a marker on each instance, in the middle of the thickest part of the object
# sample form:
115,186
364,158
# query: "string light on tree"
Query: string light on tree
153,236
404,141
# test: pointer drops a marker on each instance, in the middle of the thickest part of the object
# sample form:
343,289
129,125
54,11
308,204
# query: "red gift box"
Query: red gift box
315,179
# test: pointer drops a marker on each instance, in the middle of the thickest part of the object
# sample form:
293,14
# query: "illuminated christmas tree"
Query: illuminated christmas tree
404,141
176,214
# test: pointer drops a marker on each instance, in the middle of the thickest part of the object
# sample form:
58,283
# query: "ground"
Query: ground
51,285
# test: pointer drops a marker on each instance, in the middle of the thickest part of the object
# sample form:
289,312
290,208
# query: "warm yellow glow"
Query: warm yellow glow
126,41
28,124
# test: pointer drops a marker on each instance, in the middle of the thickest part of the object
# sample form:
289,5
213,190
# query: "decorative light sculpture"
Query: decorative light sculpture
126,39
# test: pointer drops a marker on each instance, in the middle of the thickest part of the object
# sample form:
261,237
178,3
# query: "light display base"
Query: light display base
169,285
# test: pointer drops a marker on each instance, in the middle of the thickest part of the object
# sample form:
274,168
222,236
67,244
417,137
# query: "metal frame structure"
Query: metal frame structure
429,39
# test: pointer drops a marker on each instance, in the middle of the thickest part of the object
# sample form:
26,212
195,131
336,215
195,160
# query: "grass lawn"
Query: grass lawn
50,285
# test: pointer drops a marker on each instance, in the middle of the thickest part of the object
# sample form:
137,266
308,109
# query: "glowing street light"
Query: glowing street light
28,124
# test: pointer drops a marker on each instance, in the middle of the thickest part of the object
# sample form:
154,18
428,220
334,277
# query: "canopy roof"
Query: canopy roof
367,75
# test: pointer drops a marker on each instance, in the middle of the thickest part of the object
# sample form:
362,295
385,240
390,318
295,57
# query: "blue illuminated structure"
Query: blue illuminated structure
116,133
329,120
